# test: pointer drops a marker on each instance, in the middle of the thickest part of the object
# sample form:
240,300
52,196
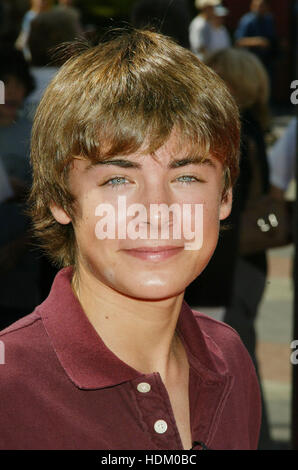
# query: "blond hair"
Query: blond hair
134,87
247,79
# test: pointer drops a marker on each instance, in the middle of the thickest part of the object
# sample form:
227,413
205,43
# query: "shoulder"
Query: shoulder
24,345
245,22
23,330
197,23
248,18
225,344
210,325
29,16
19,327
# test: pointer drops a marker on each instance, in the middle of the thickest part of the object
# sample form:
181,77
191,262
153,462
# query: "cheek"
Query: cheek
198,258
98,256
211,223
211,211
85,227
205,225
206,200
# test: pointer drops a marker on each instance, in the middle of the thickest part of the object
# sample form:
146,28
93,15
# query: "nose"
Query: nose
159,206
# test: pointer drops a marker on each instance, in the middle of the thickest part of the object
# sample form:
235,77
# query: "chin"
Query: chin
154,291
155,296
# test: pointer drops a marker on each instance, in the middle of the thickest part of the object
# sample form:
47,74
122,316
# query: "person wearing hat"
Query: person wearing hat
220,38
200,27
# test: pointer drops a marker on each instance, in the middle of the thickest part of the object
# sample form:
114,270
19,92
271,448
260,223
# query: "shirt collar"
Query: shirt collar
85,358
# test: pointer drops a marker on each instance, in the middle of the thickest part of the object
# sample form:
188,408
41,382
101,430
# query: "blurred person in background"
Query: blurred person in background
170,17
283,160
68,7
220,37
256,32
249,83
48,31
37,7
15,128
200,28
19,265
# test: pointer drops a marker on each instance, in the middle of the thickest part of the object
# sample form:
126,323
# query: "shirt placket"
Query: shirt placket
156,412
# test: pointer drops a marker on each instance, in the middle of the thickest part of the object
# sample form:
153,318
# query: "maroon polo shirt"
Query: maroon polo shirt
62,388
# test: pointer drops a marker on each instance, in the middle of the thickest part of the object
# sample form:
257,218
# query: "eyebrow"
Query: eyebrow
176,163
191,161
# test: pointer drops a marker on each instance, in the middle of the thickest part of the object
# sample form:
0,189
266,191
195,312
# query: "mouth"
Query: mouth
155,254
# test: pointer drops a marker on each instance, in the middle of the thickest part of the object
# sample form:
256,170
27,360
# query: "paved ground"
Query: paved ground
274,327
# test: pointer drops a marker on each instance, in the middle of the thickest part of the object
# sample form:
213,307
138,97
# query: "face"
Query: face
40,5
14,95
209,11
147,268
259,6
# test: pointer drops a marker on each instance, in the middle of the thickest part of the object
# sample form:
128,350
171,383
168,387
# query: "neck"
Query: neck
142,333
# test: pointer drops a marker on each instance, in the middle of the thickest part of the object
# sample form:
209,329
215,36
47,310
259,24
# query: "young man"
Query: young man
114,358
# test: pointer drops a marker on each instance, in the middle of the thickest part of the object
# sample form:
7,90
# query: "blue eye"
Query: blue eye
117,181
187,179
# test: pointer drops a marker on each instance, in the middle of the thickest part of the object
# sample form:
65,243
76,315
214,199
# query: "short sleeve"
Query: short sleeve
242,29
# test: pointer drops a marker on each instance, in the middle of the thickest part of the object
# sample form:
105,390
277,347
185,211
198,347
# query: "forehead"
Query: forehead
144,163
177,145
177,150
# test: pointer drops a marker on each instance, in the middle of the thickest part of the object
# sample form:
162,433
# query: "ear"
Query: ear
226,204
59,214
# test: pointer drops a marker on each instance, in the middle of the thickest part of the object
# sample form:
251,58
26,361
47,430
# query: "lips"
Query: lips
154,253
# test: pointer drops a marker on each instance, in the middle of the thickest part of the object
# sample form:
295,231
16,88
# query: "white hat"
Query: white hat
220,10
206,3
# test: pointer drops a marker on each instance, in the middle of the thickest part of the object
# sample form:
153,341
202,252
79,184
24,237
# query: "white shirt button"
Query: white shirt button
160,426
144,387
